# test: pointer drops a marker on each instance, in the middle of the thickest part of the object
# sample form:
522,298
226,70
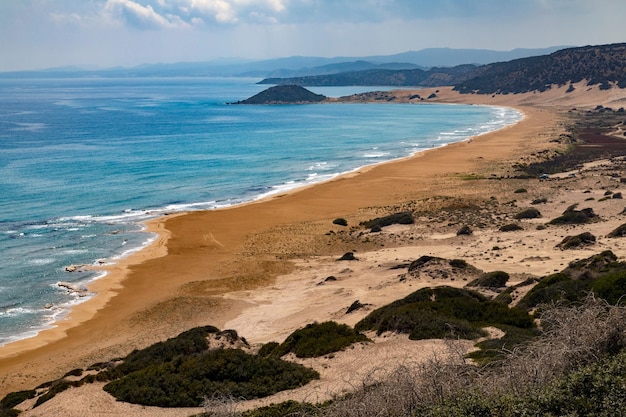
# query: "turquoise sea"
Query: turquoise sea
84,161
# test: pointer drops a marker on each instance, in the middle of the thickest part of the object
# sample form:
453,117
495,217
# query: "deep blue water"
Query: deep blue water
84,161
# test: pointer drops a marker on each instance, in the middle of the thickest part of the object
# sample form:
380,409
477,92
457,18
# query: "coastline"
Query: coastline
179,280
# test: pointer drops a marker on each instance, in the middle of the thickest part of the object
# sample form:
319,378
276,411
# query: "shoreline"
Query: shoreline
178,281
103,270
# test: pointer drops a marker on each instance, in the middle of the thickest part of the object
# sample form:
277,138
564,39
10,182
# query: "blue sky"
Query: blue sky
39,34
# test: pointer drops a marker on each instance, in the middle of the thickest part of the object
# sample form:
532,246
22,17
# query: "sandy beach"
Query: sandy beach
259,268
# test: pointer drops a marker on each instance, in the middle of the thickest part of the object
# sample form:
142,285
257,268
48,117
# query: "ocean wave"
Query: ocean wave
41,261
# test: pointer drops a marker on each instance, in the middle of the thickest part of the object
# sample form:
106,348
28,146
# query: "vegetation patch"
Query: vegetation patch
439,268
397,218
529,213
600,274
619,231
319,339
436,313
12,399
510,227
186,381
577,241
494,279
573,216
340,222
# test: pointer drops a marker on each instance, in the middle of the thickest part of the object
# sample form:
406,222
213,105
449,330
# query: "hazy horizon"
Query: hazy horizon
42,34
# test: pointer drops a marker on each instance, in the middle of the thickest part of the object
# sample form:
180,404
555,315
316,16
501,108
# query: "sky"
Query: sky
38,34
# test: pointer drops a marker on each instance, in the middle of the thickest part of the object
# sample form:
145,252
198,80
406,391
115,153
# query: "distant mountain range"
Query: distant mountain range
602,64
297,66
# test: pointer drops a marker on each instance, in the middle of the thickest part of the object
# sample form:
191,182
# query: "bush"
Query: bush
340,222
318,339
520,191
186,381
187,343
397,218
572,216
529,213
582,239
465,230
620,231
494,279
458,263
511,227
15,398
436,312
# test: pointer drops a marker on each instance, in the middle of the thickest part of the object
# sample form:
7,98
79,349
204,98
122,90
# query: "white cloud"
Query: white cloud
144,17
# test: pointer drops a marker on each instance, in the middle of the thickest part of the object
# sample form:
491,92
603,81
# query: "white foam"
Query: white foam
42,261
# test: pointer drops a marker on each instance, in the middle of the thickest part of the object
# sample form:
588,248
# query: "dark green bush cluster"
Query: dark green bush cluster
576,241
573,216
458,263
491,350
600,274
191,342
13,399
529,213
318,339
340,222
511,227
433,313
619,231
397,218
494,279
187,380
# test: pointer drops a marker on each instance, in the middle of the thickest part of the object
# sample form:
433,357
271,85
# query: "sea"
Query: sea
84,161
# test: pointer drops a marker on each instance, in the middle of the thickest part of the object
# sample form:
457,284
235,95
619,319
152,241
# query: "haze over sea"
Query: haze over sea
84,161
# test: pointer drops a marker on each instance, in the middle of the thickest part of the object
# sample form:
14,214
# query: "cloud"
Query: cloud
140,16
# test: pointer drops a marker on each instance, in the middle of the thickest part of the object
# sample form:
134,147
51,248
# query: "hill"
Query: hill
284,94
433,77
604,65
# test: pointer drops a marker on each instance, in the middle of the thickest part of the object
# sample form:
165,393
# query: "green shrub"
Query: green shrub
494,279
318,339
458,263
186,381
15,398
511,227
573,216
56,387
435,312
582,239
520,191
465,230
268,349
611,287
529,213
187,343
494,349
620,231
553,288
397,218
9,412
340,222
